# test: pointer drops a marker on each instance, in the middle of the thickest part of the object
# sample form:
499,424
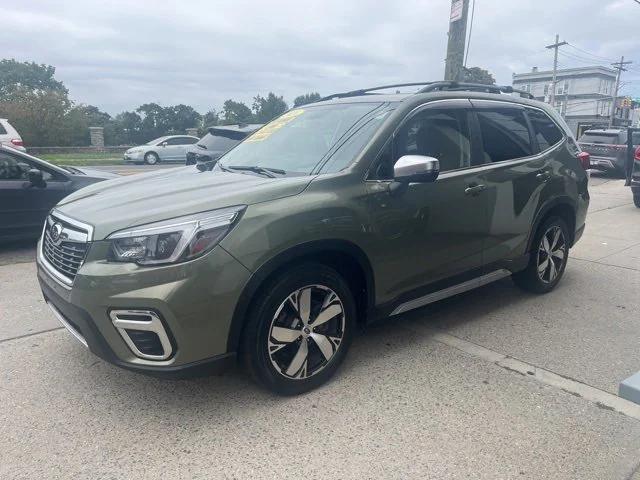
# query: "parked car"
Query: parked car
355,208
218,141
30,187
171,148
608,148
10,136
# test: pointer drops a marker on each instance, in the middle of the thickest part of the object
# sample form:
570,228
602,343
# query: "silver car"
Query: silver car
171,148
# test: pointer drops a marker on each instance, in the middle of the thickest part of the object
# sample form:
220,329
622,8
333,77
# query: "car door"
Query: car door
515,174
23,206
175,150
428,235
167,150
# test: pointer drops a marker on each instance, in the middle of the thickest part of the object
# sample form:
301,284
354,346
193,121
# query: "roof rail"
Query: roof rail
365,91
473,87
435,87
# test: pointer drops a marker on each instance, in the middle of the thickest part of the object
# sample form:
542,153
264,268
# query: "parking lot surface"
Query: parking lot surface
495,383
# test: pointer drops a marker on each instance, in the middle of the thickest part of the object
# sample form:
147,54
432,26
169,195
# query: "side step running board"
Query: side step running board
451,291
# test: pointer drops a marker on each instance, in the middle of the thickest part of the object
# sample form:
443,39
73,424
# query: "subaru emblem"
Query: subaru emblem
55,231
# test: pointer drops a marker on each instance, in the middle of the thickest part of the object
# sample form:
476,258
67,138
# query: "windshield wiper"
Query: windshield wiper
202,146
269,172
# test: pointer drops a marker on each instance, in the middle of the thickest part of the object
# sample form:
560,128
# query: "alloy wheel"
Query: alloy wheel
306,332
552,254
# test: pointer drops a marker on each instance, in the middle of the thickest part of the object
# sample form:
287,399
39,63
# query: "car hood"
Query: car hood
164,194
94,173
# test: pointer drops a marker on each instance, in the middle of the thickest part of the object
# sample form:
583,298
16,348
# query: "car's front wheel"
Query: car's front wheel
300,329
548,258
151,158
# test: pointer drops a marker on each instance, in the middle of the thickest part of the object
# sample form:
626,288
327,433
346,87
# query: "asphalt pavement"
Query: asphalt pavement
495,383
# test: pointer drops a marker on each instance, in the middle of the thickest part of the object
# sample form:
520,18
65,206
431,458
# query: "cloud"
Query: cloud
117,55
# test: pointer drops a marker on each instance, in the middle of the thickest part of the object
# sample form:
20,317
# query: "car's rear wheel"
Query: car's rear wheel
548,258
151,158
300,329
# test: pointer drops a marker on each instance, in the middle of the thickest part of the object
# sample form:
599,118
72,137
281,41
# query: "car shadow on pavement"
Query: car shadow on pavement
386,341
23,251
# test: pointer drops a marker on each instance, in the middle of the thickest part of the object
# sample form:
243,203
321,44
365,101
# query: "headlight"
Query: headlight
175,240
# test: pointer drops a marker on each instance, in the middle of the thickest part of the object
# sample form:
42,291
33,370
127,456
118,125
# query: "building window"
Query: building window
526,87
546,89
562,88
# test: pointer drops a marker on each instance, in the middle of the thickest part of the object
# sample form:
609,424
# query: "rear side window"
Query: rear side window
546,131
3,131
505,134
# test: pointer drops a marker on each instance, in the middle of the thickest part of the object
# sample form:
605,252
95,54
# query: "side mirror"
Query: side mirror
164,144
35,178
416,169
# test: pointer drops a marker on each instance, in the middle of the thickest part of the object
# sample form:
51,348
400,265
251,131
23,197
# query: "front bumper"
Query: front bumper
133,157
194,300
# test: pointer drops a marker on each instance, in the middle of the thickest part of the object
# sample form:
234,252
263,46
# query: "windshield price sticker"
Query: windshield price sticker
274,126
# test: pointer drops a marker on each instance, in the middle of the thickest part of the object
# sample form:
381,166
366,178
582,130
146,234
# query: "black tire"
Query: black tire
272,362
636,200
530,279
151,158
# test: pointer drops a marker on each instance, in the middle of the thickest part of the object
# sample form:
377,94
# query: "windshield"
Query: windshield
299,139
220,140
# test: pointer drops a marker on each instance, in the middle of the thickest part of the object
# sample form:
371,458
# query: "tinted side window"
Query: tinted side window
3,131
546,131
505,134
12,169
176,141
190,141
438,133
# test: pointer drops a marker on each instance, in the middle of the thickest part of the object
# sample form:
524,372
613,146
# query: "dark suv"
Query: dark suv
608,148
358,207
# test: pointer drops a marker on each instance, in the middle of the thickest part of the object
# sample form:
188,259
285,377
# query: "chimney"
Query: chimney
534,70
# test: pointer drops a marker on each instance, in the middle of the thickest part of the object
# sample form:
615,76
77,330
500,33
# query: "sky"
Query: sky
118,55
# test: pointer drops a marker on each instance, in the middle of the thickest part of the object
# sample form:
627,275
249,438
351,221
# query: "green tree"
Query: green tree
28,76
236,112
478,75
39,116
180,117
125,129
266,109
306,98
210,119
154,123
78,120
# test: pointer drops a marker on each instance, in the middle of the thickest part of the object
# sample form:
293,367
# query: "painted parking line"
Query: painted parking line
600,398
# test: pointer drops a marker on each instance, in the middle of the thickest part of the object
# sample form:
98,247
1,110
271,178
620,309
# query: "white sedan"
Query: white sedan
171,148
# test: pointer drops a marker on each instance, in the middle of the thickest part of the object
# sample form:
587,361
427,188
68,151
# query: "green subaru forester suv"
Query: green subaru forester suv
358,207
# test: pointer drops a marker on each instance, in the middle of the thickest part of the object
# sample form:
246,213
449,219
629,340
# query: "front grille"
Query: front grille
67,253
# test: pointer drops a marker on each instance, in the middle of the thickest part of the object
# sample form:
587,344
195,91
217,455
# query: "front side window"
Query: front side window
299,139
546,131
439,133
505,134
11,169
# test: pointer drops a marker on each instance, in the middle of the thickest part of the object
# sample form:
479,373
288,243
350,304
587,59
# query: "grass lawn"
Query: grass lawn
80,159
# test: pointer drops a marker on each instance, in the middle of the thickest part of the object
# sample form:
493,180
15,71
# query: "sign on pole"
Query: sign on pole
456,10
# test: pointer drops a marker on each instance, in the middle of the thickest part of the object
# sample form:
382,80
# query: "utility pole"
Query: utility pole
555,46
457,39
620,67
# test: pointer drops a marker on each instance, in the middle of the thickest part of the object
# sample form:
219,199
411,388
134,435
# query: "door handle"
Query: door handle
474,189
543,176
